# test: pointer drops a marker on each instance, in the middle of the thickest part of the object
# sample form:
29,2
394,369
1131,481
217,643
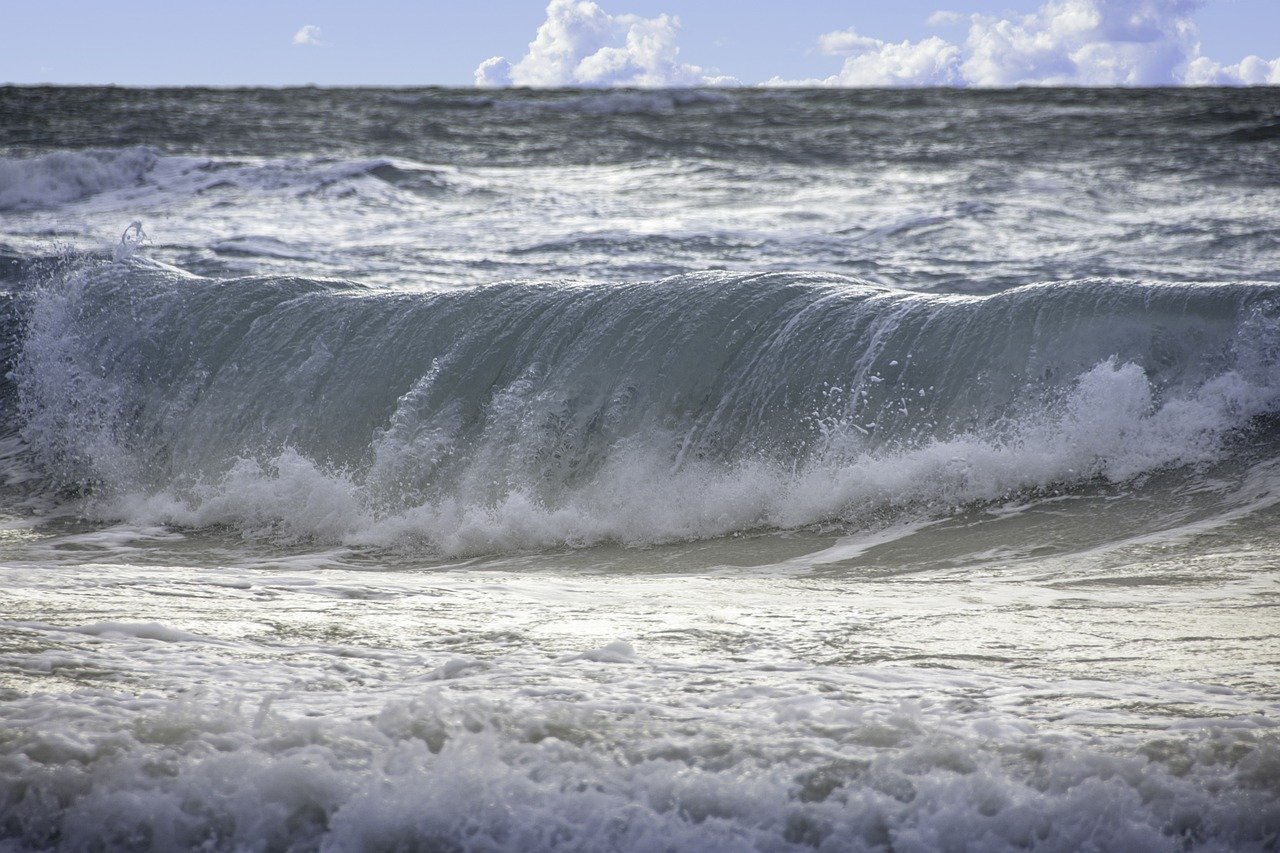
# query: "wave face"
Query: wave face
523,416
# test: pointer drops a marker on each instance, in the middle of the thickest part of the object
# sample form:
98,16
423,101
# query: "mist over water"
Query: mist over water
726,470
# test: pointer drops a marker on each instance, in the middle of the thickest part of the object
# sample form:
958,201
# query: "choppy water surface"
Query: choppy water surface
640,470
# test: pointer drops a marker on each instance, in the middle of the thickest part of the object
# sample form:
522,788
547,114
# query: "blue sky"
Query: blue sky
146,42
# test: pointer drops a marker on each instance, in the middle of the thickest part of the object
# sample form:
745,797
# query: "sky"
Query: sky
641,42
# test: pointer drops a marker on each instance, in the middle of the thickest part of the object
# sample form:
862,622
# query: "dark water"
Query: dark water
1145,130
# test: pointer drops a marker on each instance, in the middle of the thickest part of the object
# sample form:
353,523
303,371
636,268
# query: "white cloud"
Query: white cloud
872,62
494,71
1064,42
579,44
308,35
944,18
1250,71
1084,42
931,62
845,42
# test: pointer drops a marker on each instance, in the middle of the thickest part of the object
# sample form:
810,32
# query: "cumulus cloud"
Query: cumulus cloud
845,42
579,44
308,35
1084,42
1063,43
931,62
494,71
1250,71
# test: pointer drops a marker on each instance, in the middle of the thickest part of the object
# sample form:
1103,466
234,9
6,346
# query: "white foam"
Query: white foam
771,769
619,651
1107,428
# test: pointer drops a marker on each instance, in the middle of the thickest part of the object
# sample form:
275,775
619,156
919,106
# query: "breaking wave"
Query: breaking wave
534,415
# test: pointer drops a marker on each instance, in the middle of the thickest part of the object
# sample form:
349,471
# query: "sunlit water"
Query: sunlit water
640,470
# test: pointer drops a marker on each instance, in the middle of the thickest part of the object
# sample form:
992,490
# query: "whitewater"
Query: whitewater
639,470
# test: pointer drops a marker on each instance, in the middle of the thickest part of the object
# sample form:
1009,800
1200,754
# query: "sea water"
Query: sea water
672,470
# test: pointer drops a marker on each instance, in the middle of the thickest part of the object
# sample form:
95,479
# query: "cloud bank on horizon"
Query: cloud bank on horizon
579,44
1063,43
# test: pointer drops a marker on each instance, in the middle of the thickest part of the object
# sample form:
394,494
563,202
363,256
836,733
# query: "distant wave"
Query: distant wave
53,180
523,416
62,176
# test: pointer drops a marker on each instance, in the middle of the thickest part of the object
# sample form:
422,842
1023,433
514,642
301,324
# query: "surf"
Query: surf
541,414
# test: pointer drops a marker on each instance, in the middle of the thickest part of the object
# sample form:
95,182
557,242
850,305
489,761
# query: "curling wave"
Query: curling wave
525,416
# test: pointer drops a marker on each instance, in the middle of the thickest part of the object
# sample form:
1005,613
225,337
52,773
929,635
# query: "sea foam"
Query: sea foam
778,769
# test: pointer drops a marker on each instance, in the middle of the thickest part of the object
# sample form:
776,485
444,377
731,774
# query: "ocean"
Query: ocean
689,470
